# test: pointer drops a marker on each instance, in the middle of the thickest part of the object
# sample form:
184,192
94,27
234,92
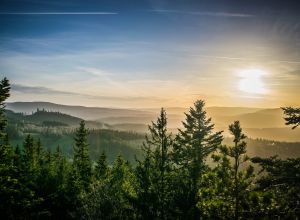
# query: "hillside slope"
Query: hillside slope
259,123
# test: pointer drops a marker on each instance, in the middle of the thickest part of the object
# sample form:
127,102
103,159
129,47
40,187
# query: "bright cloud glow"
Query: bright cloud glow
252,81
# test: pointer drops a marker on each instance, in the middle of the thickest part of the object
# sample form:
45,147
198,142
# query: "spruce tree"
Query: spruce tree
157,167
7,181
81,159
29,153
15,197
5,148
281,179
101,169
193,145
4,94
241,179
292,116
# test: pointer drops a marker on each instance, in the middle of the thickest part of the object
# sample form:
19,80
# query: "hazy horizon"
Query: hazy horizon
151,54
142,108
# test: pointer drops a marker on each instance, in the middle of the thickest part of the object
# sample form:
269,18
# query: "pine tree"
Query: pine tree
101,169
59,166
121,182
146,198
15,197
29,153
157,166
81,159
280,178
292,116
240,179
193,145
7,168
5,148
4,94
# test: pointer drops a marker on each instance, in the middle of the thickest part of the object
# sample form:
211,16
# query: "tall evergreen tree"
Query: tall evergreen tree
226,189
15,197
101,169
4,94
193,145
6,157
29,153
81,159
5,148
157,166
241,179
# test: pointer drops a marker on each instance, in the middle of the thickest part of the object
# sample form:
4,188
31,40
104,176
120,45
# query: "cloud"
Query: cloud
59,13
94,71
215,14
38,90
242,58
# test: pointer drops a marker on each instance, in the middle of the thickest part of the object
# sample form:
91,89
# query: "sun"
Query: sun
251,81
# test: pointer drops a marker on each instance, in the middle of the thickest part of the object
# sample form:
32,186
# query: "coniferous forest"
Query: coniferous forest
171,180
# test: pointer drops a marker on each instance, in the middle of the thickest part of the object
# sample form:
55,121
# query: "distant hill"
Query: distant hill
258,122
87,113
267,118
222,116
43,118
55,128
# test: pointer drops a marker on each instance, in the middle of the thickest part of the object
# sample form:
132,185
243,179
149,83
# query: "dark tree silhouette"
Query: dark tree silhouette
292,116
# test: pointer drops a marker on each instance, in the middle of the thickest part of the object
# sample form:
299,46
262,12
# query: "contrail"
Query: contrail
203,13
59,13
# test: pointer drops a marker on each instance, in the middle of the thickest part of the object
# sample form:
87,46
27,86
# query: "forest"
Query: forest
194,174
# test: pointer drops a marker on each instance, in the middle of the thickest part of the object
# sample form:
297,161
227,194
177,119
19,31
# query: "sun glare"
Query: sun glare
251,81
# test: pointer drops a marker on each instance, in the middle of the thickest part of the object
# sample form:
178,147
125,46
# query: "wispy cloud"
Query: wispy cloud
59,13
48,91
243,58
38,90
200,13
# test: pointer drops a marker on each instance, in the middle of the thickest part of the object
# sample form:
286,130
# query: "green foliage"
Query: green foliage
48,118
237,181
281,179
102,203
154,173
171,180
193,145
81,159
9,183
4,94
54,124
102,169
292,116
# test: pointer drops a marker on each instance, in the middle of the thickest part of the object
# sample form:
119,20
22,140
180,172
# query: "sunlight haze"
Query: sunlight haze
151,53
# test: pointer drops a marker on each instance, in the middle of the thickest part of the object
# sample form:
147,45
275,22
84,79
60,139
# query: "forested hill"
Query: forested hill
55,128
48,119
257,122
87,113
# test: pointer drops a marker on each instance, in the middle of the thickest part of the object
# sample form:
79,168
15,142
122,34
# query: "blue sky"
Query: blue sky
150,53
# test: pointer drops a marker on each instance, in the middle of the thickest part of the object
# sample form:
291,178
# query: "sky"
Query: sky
152,53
